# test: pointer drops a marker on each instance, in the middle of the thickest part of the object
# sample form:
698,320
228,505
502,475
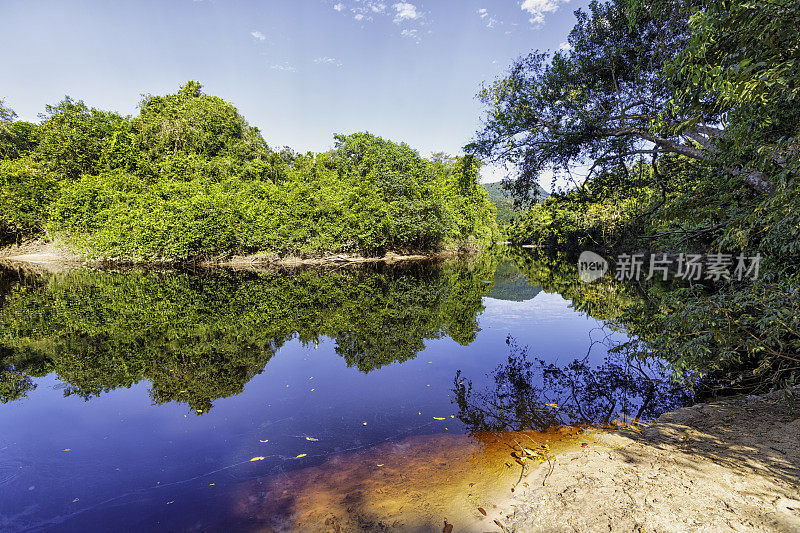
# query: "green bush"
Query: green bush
26,190
189,179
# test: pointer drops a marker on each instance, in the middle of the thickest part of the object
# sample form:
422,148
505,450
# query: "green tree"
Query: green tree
605,102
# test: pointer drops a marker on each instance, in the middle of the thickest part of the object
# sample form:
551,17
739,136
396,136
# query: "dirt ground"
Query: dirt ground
50,255
732,465
38,253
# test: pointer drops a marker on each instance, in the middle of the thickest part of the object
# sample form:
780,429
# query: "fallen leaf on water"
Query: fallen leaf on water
438,418
312,390
265,440
301,455
66,450
312,439
170,503
256,459
482,511
211,484
553,405
380,464
75,500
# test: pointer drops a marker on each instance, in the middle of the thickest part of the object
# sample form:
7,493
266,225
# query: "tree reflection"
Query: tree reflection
529,393
198,337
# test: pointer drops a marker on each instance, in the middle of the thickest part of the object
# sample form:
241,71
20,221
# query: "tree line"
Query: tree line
681,119
189,179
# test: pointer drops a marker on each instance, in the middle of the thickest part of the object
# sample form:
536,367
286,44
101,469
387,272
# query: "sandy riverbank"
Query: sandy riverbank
50,256
732,465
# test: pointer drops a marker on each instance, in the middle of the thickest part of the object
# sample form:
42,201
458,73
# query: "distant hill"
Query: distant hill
511,284
503,202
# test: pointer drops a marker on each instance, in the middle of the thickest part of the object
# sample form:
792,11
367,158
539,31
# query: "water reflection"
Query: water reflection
201,337
530,393
325,373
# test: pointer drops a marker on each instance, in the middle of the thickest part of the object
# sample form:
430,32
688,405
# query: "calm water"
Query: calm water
136,400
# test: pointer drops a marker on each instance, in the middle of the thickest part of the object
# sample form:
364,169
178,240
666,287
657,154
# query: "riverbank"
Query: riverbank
55,255
730,465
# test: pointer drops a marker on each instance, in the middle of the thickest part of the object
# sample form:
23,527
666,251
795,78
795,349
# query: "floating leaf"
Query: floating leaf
256,459
438,418
312,439
301,455
265,440
553,405
66,450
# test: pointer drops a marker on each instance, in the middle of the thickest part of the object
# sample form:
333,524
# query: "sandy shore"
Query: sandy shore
49,256
732,465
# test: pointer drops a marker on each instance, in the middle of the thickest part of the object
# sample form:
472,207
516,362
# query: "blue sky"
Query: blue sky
299,70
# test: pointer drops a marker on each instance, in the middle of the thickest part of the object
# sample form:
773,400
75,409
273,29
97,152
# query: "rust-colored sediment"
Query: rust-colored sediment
411,485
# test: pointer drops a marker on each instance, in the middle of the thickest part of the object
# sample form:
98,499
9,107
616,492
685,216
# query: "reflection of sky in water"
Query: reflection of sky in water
135,466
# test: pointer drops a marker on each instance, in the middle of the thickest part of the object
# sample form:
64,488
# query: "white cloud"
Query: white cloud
328,61
405,11
565,46
258,35
402,13
285,67
538,8
483,13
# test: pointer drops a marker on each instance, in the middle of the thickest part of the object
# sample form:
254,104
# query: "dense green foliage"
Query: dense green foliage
503,202
685,114
189,179
200,337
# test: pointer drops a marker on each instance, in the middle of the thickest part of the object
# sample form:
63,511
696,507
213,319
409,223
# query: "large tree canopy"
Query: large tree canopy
626,89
